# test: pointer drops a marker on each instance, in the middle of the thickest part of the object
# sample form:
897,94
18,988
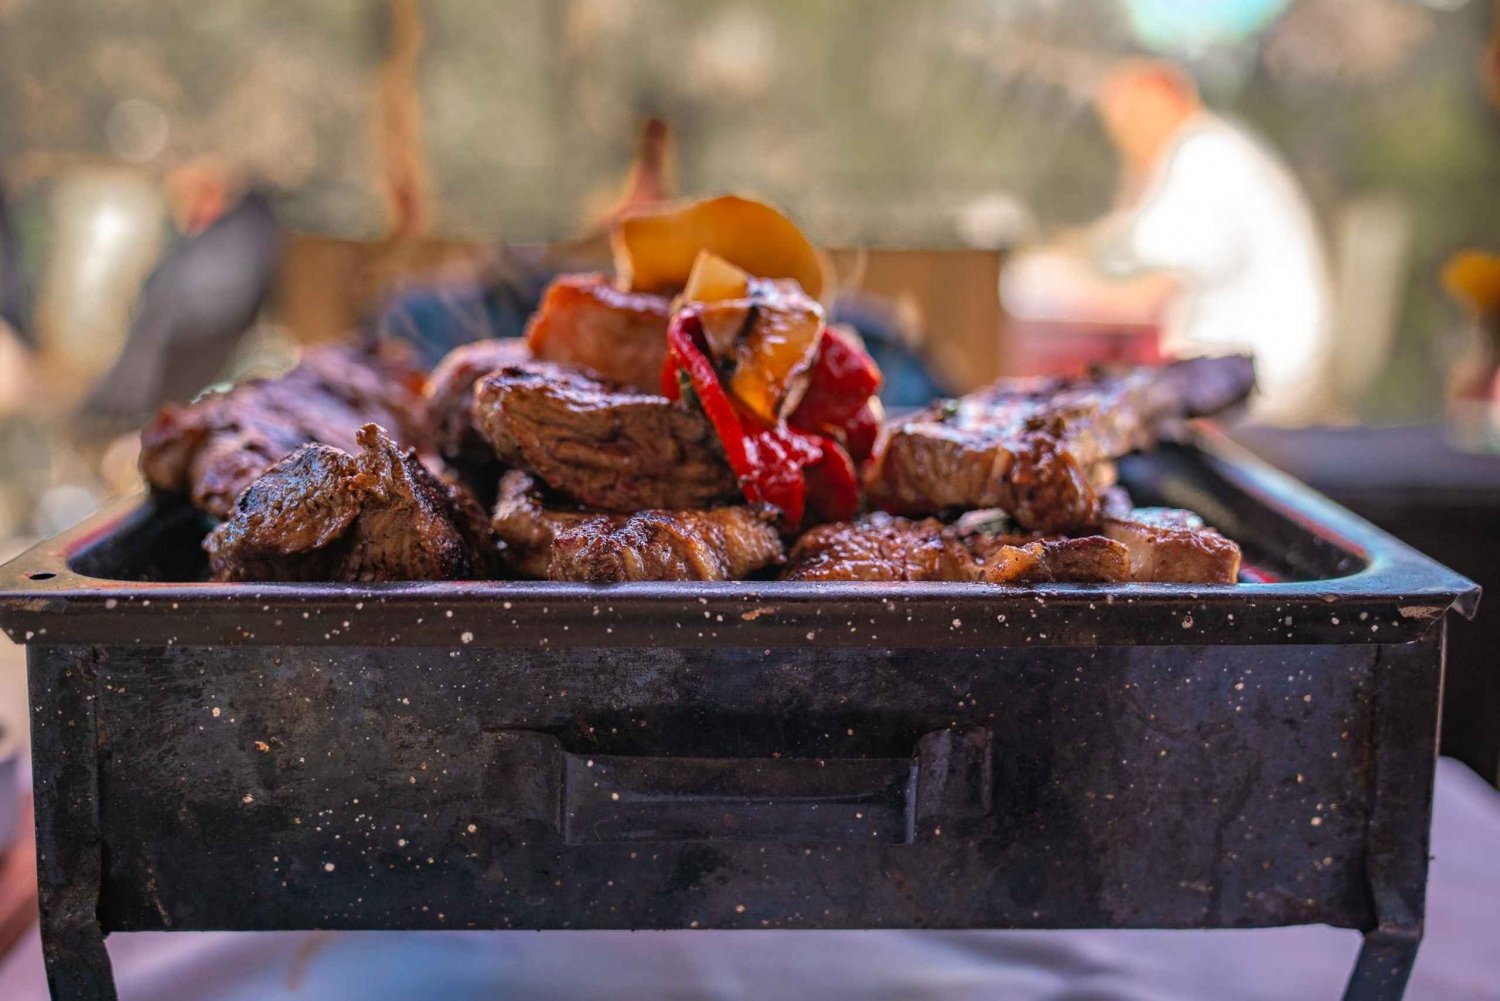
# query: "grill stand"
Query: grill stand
65,749
68,743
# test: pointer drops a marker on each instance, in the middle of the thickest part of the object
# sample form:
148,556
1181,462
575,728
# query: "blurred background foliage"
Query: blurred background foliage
879,122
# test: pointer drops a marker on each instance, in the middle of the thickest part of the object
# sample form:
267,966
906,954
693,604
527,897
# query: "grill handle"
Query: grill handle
612,799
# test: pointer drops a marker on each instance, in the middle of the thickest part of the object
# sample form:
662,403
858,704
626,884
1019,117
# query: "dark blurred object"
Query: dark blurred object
1414,484
15,291
437,314
193,310
908,382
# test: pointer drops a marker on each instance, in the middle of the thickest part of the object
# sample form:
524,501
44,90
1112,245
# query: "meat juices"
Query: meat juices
322,514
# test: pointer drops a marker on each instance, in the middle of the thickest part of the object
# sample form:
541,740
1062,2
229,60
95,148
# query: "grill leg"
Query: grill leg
69,859
1384,963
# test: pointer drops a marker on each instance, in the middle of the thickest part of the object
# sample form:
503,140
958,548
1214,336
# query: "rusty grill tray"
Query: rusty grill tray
748,754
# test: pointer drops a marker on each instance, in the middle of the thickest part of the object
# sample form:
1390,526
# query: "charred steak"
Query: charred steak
726,543
602,447
1039,449
583,320
213,448
322,514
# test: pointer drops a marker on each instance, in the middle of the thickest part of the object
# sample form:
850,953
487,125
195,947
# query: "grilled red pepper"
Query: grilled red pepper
839,401
793,468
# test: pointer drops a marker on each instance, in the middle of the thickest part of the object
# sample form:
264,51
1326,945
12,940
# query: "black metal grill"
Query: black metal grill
742,755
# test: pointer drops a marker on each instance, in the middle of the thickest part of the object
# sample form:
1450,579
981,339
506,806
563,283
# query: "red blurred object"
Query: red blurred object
1067,347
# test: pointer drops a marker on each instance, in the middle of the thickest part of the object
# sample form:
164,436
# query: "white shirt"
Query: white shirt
1229,219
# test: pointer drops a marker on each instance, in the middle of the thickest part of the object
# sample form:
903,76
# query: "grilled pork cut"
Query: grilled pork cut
1040,450
584,321
603,447
725,543
322,514
1168,545
211,449
449,394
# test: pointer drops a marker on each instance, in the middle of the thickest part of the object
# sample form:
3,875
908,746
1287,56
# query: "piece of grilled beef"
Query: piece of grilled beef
321,514
210,450
725,543
606,448
584,321
1041,450
880,547
1153,544
526,527
449,395
1168,545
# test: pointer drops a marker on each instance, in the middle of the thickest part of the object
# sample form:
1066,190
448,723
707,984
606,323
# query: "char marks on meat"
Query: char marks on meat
725,543
584,321
321,514
213,448
450,397
603,447
1040,449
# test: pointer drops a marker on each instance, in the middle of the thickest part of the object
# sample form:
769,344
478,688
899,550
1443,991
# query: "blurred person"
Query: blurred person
202,297
1211,243
1221,230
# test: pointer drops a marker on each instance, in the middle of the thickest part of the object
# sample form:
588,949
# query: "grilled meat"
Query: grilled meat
1172,546
1153,544
450,397
526,527
722,543
583,320
212,449
602,447
880,548
726,543
322,514
1040,449
1087,559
